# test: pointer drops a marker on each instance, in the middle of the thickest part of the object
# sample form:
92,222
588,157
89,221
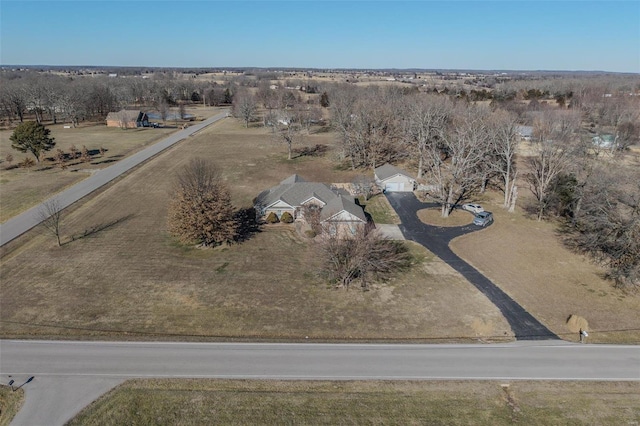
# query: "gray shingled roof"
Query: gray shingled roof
293,179
525,131
294,191
339,204
386,171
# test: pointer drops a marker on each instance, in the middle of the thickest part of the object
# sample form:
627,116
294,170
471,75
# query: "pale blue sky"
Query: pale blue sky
514,35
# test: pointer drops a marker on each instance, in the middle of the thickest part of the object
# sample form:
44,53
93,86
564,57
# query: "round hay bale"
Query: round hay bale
575,323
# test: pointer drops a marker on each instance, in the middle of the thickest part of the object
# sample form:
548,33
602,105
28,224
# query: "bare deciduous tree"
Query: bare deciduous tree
364,186
50,217
425,121
200,209
607,227
290,134
85,156
73,152
365,256
453,165
504,146
60,159
371,133
553,148
244,107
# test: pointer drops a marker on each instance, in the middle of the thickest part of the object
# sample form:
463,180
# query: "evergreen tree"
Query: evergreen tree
32,137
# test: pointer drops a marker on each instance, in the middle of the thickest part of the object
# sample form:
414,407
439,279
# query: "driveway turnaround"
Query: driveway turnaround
69,375
437,239
23,222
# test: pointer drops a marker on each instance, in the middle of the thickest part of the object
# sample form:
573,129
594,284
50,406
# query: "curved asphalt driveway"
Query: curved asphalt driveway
437,239
23,222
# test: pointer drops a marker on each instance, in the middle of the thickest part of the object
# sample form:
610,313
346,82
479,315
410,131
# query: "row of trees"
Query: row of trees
458,149
72,99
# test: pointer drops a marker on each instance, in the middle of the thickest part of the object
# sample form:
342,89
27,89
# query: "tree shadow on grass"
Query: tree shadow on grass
248,225
311,151
92,231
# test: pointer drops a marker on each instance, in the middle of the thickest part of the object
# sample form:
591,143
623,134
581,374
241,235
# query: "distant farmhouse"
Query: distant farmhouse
127,119
339,214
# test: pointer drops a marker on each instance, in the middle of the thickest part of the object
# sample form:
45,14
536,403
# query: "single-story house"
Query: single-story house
127,118
525,132
338,211
392,179
342,216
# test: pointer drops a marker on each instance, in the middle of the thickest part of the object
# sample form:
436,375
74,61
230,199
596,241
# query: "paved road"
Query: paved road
23,222
437,239
69,375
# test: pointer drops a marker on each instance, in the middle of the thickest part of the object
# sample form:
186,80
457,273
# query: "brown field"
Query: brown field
10,404
242,402
21,189
131,280
527,259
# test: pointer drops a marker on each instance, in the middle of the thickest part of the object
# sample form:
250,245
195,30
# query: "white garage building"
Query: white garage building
393,179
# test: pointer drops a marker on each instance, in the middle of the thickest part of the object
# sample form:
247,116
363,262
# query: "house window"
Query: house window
352,228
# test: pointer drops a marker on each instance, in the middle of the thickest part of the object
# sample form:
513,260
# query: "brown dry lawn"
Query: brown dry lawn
527,259
433,216
21,189
131,280
10,404
242,402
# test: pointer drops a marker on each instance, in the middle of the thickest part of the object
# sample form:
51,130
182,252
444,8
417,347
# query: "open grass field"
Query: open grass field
527,259
10,403
234,402
21,189
132,281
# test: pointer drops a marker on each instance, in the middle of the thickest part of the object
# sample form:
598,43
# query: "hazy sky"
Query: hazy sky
517,35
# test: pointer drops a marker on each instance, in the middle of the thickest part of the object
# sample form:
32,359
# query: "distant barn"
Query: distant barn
127,119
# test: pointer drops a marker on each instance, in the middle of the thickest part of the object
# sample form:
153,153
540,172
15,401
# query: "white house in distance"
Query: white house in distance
392,179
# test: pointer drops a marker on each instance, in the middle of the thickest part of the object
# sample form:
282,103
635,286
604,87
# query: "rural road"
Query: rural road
69,375
437,238
23,222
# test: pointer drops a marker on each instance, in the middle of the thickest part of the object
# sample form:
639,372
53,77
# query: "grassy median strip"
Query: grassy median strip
236,402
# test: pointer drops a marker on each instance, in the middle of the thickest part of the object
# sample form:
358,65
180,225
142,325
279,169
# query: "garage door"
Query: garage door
394,186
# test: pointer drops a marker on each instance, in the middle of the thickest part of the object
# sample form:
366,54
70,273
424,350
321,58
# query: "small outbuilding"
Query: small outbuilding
127,119
392,179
